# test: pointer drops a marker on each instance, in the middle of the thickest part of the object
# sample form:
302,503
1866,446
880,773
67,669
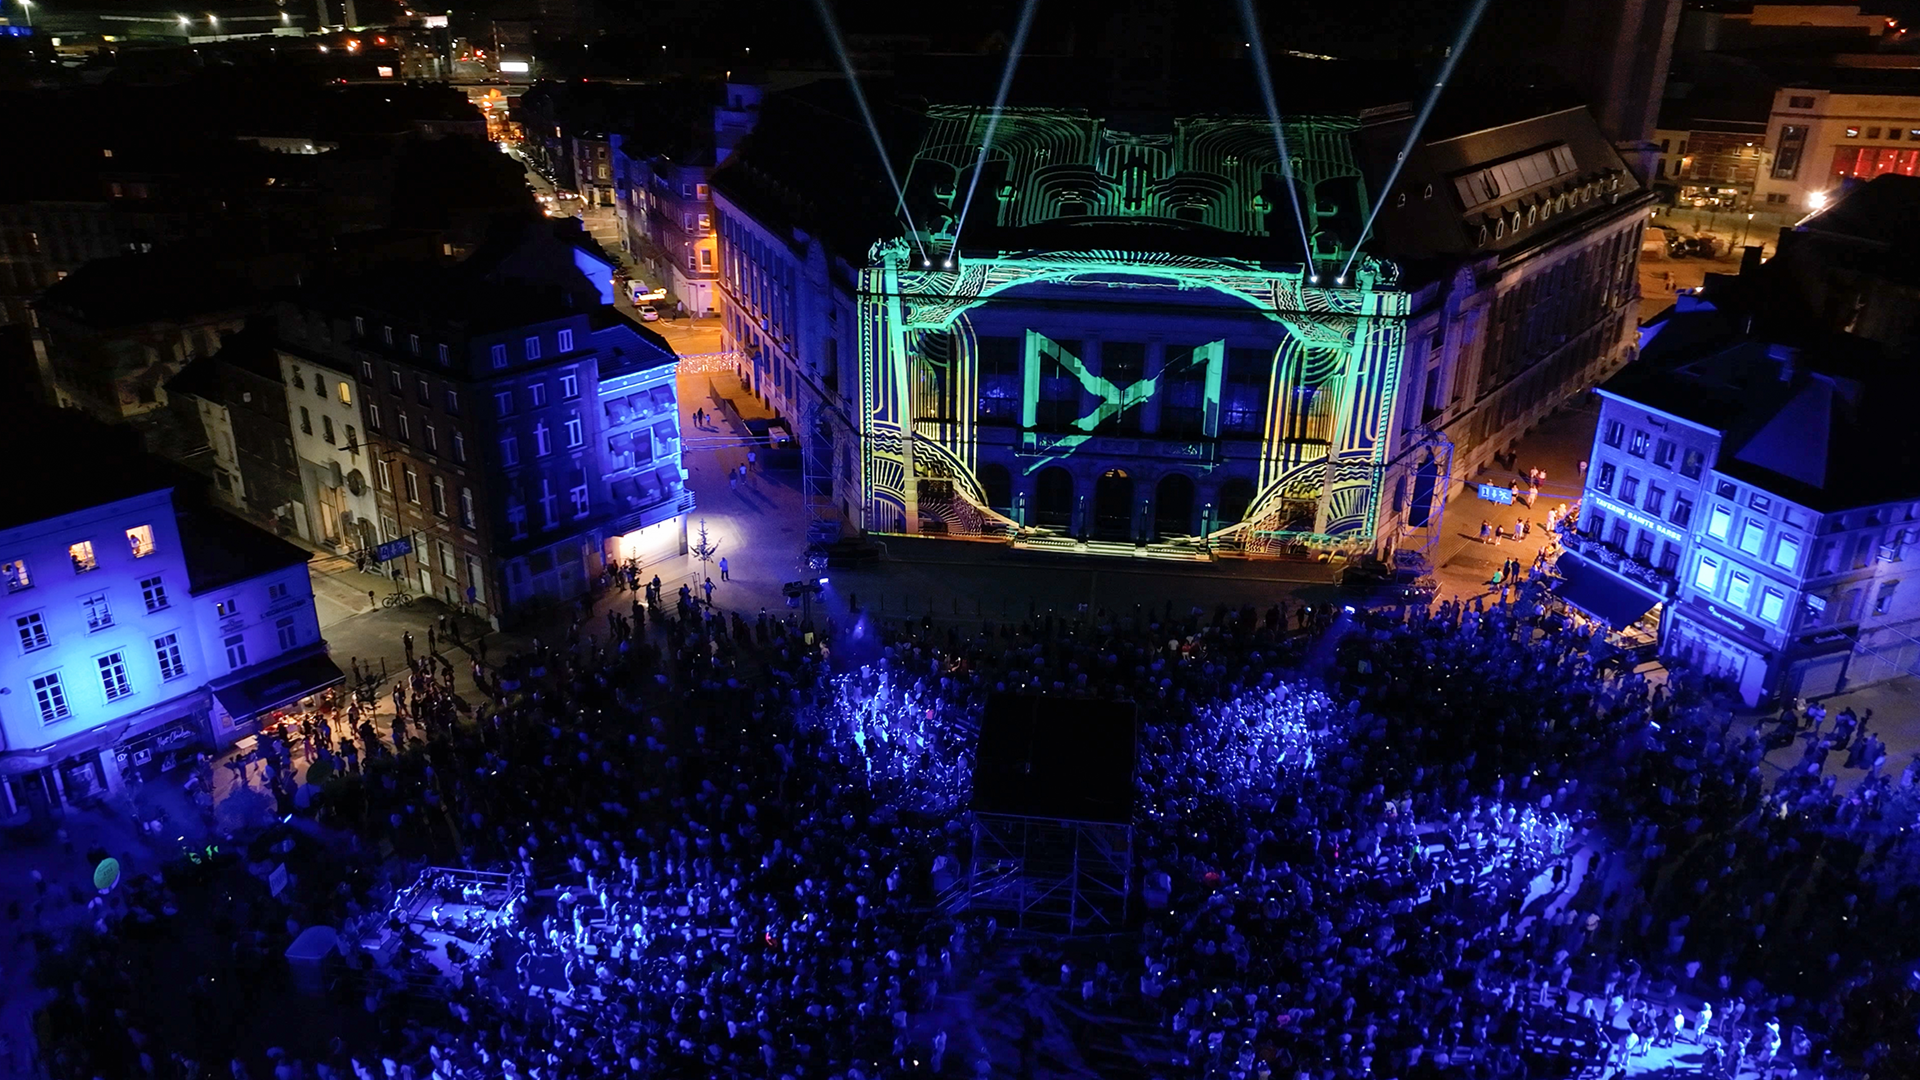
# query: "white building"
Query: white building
323,412
140,631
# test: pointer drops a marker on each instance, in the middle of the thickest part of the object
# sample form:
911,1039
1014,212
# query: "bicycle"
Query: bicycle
399,599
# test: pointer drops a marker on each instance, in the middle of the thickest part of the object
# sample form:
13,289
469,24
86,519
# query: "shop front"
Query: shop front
309,683
644,545
1721,643
1630,610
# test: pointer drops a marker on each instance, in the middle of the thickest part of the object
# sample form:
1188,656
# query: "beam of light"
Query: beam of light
993,119
1259,49
1478,8
879,145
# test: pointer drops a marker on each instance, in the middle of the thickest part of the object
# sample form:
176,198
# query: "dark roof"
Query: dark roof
627,346
1883,212
68,462
128,290
221,549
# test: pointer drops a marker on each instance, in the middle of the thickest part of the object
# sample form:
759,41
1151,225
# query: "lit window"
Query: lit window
154,592
289,637
236,650
531,348
82,556
51,697
33,631
565,341
499,354
1708,577
1739,590
99,613
346,395
1719,522
228,607
113,676
166,649
15,575
1752,535
140,540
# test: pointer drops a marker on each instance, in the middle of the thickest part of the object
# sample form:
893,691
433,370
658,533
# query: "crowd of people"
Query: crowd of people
1427,842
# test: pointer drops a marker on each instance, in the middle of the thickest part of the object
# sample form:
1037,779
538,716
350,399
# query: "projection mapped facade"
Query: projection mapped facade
1035,379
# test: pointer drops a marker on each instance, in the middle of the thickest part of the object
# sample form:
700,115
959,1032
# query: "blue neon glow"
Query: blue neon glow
993,119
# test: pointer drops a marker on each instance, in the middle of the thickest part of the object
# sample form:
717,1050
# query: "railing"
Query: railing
1624,565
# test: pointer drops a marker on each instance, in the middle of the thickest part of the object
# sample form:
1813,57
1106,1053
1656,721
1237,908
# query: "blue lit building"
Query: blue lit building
141,628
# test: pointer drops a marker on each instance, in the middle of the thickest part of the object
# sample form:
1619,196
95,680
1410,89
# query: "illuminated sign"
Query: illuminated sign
383,71
1642,520
1497,493
393,549
436,22
514,67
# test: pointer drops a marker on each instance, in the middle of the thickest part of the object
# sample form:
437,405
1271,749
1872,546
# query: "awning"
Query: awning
1601,595
287,683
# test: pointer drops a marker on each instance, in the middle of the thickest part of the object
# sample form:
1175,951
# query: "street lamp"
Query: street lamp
26,10
1744,228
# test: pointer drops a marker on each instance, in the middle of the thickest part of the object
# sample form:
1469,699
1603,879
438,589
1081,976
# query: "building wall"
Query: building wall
336,461
1821,139
252,626
640,440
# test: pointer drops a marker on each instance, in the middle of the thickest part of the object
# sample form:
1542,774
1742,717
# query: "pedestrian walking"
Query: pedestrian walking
723,569
706,586
1486,531
733,480
406,642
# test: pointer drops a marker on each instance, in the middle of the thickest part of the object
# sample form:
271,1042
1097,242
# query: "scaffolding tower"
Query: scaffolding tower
1051,876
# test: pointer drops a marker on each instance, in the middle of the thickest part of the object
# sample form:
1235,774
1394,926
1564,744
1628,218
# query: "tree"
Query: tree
704,549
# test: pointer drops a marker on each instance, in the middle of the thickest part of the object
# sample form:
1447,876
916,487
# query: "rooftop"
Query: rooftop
72,463
221,549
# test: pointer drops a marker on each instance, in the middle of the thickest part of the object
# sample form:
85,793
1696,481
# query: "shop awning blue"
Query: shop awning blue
1600,594
280,686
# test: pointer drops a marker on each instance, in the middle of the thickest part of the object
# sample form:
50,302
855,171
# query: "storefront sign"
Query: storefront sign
1650,524
1825,637
1732,620
1497,493
393,549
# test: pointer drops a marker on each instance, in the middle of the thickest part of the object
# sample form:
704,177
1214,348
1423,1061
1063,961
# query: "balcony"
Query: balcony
1627,566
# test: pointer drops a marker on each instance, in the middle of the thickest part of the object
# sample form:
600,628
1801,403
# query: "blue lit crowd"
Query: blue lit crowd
1449,842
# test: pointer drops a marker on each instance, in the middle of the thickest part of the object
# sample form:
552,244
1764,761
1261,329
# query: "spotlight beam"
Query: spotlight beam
1474,12
993,119
1252,24
879,145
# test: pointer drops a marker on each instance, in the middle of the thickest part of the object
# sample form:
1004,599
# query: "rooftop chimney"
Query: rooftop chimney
1749,259
1787,356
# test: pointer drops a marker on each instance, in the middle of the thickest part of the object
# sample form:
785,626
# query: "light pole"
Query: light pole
1744,228
26,11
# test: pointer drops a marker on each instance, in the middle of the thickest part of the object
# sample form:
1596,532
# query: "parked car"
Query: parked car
649,313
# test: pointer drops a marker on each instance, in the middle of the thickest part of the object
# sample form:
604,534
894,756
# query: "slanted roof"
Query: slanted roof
221,549
66,462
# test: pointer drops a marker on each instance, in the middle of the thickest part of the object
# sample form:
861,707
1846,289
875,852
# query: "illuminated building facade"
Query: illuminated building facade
1127,342
139,631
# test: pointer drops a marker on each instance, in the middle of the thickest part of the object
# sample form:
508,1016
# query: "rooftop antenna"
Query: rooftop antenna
879,144
993,119
1477,9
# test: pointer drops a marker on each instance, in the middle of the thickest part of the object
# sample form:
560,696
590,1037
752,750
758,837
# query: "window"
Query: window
575,435
413,344
289,637
1596,523
1719,522
228,607
1753,534
33,631
1759,502
1638,447
453,403
1643,547
113,675
503,403
423,392
516,519
499,354
412,481
531,348
1853,132
1663,453
579,497
447,565
433,439
1786,552
166,649
15,575
569,386
459,448
537,394
1629,488
395,383
1800,103
346,395
1669,556
359,326
406,427
510,451
373,416
236,651
1692,464
366,370
542,440
306,421
1772,603
476,586
1707,578
82,556
154,592
439,495
276,592
1739,589
99,613
549,515
564,341
386,334
706,258
444,358
466,507
1604,482
1655,497
1873,133
1616,433
51,697
140,540
386,477
1883,599
1617,538
326,429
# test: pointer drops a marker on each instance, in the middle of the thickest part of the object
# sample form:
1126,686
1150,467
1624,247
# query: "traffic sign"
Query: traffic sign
393,549
1496,493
